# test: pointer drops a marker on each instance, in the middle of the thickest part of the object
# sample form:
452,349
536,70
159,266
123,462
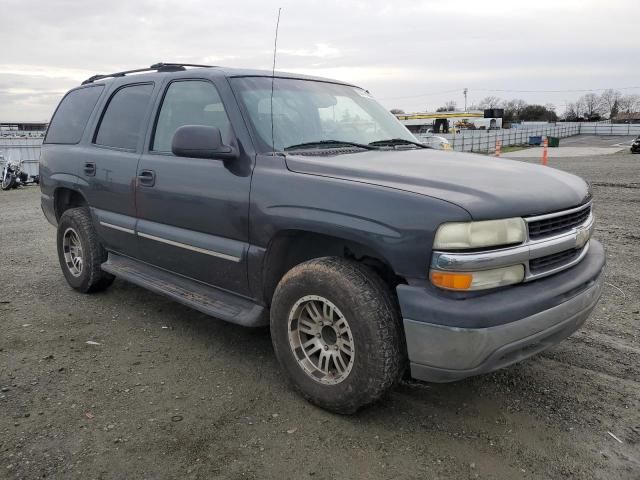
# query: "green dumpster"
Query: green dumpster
554,141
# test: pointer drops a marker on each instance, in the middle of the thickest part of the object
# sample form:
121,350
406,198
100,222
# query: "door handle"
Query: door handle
147,178
90,169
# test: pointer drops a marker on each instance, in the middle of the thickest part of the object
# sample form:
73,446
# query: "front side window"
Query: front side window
190,102
306,111
72,115
123,120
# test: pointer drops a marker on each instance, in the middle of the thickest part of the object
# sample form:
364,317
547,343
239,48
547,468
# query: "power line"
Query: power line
421,95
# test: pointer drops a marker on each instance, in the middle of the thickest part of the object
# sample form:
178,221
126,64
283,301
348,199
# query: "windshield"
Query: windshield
306,111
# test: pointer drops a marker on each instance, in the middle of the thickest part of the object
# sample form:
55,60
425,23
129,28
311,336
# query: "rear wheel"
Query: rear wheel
336,332
80,252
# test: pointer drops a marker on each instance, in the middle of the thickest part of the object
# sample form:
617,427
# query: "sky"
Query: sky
410,55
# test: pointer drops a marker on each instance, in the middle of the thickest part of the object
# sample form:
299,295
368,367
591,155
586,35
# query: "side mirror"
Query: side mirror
199,141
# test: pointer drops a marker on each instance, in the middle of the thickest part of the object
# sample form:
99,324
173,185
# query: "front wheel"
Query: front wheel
8,181
337,334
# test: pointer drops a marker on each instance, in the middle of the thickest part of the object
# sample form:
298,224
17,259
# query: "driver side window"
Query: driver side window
189,102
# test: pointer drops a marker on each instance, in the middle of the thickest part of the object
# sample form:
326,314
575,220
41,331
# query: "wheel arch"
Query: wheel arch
65,198
289,248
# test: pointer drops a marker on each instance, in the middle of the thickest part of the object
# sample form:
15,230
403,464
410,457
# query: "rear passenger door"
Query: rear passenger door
110,170
193,212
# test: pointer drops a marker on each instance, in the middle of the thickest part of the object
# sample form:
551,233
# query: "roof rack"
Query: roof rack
157,67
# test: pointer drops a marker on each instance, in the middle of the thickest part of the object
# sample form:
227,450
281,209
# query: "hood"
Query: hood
487,187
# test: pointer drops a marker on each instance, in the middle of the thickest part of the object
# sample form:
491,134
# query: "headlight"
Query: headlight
489,233
480,280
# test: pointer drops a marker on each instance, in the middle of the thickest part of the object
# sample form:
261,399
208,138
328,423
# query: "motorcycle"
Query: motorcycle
635,146
13,176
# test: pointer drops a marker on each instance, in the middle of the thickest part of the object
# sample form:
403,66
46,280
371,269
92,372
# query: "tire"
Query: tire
373,333
9,182
86,276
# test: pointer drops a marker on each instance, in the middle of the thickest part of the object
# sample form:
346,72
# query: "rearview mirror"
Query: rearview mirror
199,141
324,100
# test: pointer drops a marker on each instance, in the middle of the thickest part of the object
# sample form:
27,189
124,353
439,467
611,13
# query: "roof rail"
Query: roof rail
158,67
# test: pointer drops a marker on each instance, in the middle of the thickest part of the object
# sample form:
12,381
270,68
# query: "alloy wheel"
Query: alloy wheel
321,340
72,249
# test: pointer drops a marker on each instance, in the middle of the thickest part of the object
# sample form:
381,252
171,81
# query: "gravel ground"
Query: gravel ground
578,146
170,393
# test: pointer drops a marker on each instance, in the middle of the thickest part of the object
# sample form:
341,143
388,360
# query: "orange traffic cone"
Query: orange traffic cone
545,151
498,147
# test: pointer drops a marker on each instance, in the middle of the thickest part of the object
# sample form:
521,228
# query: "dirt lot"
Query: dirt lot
170,393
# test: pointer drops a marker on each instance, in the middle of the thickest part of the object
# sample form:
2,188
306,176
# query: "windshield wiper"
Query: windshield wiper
397,141
321,143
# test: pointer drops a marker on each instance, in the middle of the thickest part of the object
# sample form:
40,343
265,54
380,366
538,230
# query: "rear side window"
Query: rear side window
71,116
122,121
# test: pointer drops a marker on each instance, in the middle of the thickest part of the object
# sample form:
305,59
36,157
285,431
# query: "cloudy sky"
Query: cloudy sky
410,54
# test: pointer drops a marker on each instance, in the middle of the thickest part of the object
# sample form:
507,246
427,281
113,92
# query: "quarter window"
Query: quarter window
192,102
67,124
123,120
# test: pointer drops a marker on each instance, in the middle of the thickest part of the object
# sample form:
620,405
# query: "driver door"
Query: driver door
193,212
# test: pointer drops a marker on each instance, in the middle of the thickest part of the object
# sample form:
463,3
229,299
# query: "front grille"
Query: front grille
549,262
556,225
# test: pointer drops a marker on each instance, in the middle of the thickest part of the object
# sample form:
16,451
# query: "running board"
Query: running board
209,300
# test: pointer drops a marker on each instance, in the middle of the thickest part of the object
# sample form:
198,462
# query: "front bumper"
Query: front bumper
453,338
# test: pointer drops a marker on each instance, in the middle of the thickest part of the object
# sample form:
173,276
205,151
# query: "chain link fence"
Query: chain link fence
485,140
610,129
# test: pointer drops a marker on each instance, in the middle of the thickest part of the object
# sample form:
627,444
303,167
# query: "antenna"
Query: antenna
273,79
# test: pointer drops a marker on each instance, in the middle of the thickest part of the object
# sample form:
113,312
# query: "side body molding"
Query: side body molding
214,246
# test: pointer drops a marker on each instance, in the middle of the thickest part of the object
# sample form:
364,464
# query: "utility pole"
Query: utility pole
465,98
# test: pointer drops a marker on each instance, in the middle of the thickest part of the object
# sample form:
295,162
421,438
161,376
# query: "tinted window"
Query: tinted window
122,122
72,115
189,103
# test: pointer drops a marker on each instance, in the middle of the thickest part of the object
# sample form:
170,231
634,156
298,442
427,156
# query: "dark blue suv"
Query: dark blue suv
301,203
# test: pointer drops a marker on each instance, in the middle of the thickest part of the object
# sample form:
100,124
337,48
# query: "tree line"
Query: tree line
515,110
589,107
607,105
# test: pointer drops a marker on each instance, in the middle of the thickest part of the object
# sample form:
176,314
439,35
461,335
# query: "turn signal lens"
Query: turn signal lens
480,280
451,280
